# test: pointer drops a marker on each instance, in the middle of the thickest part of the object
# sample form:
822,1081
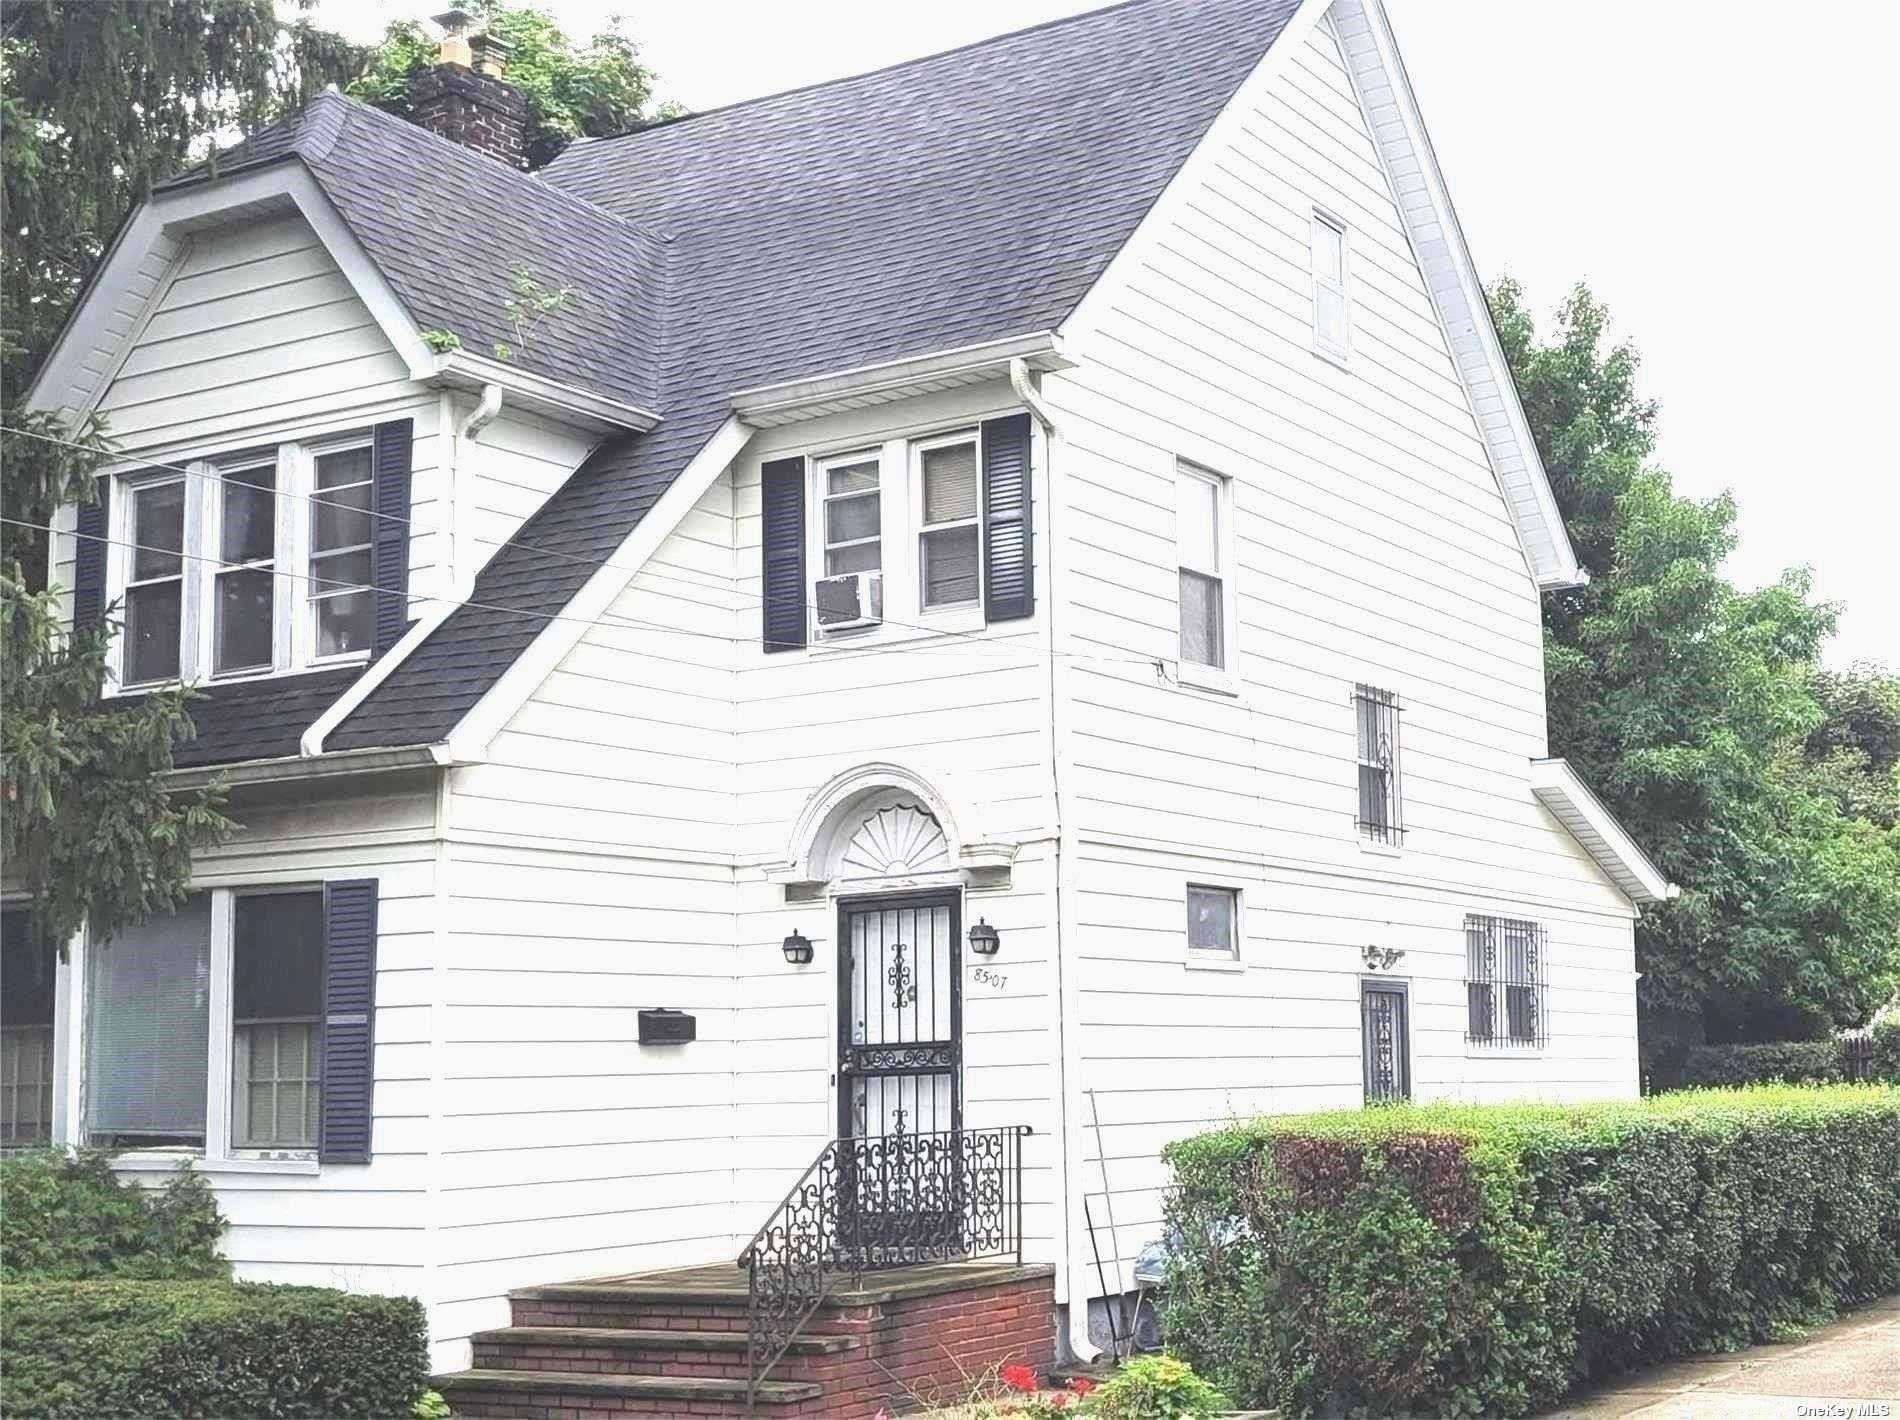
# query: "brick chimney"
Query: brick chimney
463,97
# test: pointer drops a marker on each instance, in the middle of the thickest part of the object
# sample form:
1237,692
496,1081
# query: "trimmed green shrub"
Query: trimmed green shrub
1467,1260
208,1349
1795,1062
64,1218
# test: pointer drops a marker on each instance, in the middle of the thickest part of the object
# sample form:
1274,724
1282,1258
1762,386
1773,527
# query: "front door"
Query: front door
1387,1046
900,1181
900,1016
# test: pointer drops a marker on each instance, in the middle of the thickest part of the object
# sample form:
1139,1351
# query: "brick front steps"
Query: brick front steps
673,1343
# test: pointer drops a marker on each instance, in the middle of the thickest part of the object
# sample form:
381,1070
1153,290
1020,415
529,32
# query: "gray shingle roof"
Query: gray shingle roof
940,203
448,227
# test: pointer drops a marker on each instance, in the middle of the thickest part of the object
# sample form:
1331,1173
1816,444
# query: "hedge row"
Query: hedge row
1485,1260
207,1349
1816,1062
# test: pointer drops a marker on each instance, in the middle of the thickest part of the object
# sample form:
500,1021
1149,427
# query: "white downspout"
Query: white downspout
463,582
1068,1003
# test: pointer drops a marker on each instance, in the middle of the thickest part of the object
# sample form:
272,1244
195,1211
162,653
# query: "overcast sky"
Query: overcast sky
1721,174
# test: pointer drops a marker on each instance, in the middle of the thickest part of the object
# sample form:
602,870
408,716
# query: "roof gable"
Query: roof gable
449,228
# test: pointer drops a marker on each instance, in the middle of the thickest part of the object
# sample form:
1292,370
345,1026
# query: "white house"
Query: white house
1068,486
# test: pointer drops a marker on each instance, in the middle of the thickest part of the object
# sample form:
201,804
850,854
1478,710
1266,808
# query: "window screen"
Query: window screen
147,1029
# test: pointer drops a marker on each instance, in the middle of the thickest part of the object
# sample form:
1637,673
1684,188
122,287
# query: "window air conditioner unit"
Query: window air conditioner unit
851,601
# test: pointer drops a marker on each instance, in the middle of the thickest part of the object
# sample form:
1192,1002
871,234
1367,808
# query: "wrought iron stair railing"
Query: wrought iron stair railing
872,1205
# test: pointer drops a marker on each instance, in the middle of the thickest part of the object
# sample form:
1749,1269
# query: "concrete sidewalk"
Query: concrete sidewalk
1848,1370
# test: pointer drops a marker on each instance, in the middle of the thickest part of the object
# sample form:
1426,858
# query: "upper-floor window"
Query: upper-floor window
1332,308
948,552
1504,981
1381,804
245,566
1201,550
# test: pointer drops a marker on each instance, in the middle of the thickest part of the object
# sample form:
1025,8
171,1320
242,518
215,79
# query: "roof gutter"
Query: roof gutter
796,400
350,763
462,370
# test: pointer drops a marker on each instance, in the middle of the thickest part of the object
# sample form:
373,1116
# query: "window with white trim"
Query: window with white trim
1332,307
244,566
28,976
1213,921
1201,550
853,519
342,606
203,1026
949,551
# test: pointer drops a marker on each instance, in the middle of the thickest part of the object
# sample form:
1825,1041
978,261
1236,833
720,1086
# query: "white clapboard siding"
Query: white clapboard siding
1371,544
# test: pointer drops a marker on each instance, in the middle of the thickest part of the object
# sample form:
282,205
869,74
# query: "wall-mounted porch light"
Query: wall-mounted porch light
798,948
983,939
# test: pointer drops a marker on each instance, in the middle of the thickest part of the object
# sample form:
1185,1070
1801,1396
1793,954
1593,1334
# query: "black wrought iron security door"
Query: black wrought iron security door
900,1017
1386,1028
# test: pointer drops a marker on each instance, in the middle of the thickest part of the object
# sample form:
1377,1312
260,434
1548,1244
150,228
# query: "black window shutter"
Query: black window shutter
389,538
349,1019
782,548
1008,567
89,558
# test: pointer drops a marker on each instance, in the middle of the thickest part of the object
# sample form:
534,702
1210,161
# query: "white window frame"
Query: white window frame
1340,350
900,484
1224,678
219,1153
211,567
972,436
309,592
293,631
123,532
1213,958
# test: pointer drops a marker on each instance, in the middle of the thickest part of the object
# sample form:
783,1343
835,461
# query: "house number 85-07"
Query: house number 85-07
995,980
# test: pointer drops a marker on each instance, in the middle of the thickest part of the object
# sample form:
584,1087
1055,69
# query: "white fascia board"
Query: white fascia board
351,763
1431,224
1560,789
794,400
468,743
463,370
66,382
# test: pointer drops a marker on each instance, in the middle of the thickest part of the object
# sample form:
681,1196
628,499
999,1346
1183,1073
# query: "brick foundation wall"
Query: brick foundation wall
926,1351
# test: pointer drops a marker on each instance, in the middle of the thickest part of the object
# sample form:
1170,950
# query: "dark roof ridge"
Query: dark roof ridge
592,145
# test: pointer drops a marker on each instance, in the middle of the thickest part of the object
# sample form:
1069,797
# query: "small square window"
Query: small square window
1213,920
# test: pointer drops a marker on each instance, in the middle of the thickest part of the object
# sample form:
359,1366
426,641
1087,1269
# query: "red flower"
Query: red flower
1018,1377
1081,1385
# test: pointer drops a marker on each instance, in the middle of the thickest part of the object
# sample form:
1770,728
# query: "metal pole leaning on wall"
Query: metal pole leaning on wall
1108,1205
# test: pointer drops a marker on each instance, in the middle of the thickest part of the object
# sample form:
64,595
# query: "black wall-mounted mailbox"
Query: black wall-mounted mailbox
661,1026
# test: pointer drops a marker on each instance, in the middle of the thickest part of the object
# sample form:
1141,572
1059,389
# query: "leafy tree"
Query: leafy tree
1692,707
100,100
97,102
88,824
573,91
